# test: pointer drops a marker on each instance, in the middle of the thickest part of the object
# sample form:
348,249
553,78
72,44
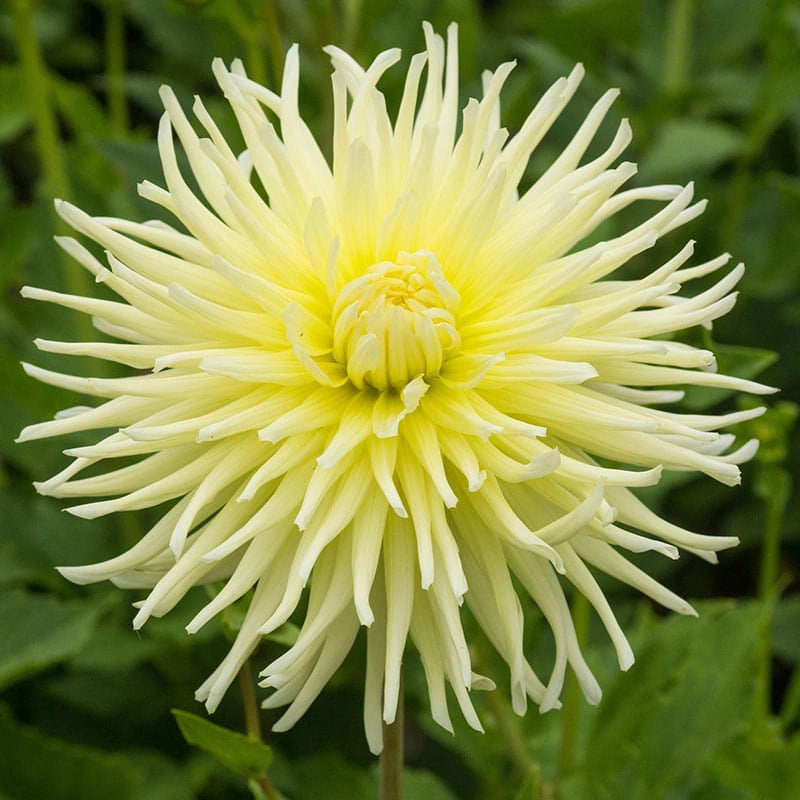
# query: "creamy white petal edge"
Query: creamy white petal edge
391,385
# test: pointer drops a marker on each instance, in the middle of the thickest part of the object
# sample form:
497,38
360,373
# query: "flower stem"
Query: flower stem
777,484
274,43
391,761
38,88
46,136
571,707
766,115
678,44
115,65
351,10
508,730
253,725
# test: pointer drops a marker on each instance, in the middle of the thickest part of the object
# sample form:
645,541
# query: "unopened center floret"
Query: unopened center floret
396,322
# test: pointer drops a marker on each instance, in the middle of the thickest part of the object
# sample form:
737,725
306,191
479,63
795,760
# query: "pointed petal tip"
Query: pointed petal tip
365,615
139,620
213,701
375,748
688,610
670,551
74,575
593,698
549,705
443,722
82,512
626,660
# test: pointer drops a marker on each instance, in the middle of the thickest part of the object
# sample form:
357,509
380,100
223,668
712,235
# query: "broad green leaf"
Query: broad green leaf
333,778
423,785
786,629
37,767
691,688
163,779
762,766
78,106
727,28
236,751
181,35
39,536
136,161
19,228
729,91
111,649
685,148
39,631
135,694
767,235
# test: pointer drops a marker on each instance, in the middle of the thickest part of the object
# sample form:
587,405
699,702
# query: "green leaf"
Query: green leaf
163,779
80,109
19,229
785,628
761,766
236,751
333,778
691,688
38,536
685,148
768,235
15,110
729,90
39,631
110,649
531,787
419,784
134,695
37,766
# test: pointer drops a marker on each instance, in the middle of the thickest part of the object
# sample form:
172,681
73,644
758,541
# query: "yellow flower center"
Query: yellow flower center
396,322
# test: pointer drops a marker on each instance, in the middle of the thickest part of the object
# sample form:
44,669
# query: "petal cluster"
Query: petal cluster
393,384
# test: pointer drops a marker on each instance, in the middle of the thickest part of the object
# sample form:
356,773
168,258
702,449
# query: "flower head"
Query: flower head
393,382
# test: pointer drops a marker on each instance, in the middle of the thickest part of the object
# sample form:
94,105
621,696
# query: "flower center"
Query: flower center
396,322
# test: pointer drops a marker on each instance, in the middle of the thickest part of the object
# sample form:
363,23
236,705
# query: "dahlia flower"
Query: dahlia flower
396,382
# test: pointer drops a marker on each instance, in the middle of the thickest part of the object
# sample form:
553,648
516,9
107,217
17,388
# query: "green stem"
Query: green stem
255,63
351,12
508,730
391,760
48,142
791,703
115,65
507,723
768,588
253,725
678,44
572,695
274,43
760,125
38,88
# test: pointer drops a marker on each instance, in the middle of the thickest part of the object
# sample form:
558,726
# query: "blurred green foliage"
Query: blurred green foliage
712,709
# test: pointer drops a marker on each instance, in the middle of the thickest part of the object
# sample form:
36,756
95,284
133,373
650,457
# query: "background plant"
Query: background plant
711,709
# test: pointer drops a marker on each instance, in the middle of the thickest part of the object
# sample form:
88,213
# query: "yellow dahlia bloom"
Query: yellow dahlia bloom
394,382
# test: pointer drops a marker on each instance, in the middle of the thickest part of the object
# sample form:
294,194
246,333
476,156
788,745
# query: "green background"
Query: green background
711,709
